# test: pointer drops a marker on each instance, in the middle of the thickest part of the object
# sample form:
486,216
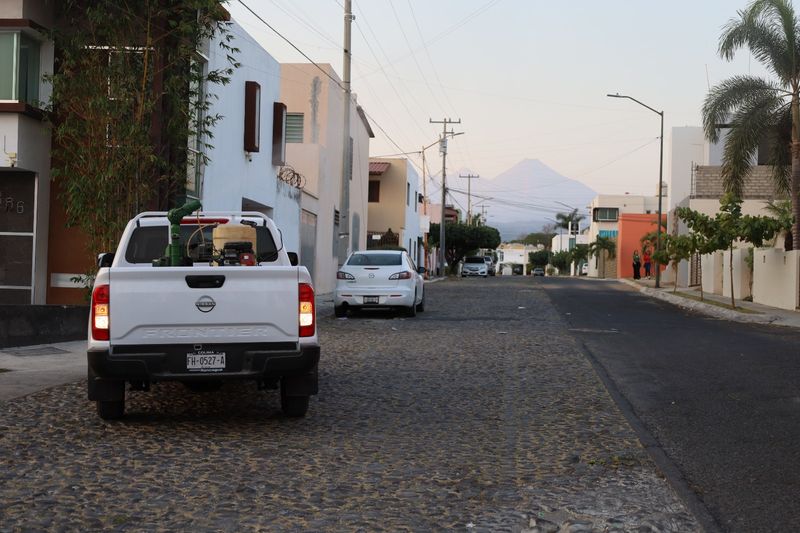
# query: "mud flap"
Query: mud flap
106,390
302,385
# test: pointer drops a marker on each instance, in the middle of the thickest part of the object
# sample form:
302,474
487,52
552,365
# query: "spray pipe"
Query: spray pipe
175,215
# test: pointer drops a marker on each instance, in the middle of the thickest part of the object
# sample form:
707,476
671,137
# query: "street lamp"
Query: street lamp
660,179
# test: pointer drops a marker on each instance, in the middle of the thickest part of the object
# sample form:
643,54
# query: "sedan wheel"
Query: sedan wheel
421,304
412,311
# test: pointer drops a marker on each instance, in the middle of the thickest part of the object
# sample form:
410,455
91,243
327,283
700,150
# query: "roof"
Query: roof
376,168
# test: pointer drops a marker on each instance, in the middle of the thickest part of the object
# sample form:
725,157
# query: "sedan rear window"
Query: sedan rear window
374,259
474,260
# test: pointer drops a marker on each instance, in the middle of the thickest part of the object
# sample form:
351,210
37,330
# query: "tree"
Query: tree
674,249
129,98
539,258
605,247
460,239
727,227
758,109
568,220
560,260
781,210
579,254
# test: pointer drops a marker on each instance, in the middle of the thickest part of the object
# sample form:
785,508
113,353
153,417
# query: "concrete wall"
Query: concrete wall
22,325
712,271
776,278
632,228
411,233
685,149
741,273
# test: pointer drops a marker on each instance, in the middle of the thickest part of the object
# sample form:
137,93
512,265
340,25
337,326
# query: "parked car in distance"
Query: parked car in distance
538,271
474,266
489,264
585,269
372,279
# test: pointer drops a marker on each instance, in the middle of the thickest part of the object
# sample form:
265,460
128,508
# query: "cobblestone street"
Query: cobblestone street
480,414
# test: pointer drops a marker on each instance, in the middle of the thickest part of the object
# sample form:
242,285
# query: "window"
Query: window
380,259
608,233
408,194
374,191
19,67
294,127
252,116
606,214
415,203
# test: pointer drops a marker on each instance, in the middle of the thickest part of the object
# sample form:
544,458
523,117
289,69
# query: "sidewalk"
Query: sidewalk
29,369
748,312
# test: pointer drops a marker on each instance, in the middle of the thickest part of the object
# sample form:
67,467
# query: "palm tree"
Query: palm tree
759,109
567,220
605,247
782,211
578,255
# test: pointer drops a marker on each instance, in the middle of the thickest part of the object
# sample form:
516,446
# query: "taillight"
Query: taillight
101,305
401,275
344,275
306,310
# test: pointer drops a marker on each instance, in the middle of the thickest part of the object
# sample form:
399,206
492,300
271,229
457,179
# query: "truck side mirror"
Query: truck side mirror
293,259
105,259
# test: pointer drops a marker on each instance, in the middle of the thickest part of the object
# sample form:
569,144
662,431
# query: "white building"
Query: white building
510,254
244,175
395,204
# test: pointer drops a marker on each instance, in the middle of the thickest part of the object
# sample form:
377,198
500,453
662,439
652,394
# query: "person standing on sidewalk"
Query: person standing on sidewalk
646,261
637,265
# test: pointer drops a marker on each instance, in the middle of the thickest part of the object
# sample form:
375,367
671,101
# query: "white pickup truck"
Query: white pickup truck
241,314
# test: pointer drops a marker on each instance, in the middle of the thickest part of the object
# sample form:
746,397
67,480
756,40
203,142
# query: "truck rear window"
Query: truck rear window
148,243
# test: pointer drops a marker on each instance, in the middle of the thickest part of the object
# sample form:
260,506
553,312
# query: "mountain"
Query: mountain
525,197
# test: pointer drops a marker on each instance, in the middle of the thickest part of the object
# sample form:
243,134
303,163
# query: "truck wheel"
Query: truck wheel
111,410
293,406
339,311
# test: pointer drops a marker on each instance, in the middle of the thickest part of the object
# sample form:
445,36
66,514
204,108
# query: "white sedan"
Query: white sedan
379,278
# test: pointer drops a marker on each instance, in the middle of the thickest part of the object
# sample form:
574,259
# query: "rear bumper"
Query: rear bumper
387,297
168,362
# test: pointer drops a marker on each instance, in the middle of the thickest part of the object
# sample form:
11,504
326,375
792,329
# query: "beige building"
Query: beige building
395,204
315,150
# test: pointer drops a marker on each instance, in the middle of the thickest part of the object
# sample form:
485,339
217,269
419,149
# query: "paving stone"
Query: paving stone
431,423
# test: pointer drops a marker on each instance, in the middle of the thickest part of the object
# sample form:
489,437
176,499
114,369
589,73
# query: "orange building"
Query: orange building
632,227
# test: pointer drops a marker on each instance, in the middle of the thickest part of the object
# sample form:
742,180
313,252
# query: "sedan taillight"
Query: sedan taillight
344,275
307,313
401,275
101,307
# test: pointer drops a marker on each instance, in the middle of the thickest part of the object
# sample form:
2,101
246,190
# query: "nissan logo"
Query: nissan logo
205,304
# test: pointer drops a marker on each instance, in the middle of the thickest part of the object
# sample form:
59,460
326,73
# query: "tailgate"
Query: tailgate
156,305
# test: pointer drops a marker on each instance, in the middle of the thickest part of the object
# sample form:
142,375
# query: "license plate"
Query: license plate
371,299
205,362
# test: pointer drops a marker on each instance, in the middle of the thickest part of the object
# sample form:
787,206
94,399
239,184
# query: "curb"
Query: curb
700,307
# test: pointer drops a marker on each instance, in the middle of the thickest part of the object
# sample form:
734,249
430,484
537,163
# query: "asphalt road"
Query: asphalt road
722,399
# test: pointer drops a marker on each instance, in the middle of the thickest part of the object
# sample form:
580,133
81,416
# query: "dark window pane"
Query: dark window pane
374,191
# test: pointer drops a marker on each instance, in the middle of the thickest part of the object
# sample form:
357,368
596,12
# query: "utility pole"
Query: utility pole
443,150
469,177
347,165
425,212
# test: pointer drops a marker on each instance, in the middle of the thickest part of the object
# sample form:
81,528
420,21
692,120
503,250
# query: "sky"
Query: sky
527,78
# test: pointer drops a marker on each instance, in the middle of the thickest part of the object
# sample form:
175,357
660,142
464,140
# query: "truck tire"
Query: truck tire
293,406
111,410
